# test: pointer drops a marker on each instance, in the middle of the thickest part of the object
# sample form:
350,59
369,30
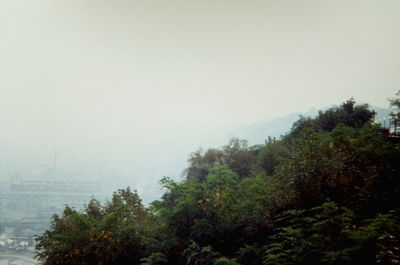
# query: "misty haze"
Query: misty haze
187,111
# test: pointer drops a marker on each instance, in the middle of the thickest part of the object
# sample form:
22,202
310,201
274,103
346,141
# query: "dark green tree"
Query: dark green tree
110,234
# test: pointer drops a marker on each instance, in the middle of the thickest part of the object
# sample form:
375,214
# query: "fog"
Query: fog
122,91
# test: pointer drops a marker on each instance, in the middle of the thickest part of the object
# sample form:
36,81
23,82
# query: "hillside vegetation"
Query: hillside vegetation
325,193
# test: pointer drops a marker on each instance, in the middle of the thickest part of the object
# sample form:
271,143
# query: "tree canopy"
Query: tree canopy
325,193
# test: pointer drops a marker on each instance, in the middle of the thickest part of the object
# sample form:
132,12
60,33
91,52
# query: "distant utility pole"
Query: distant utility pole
1,201
1,165
55,161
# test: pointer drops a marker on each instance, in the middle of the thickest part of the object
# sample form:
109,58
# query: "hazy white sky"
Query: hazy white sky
102,71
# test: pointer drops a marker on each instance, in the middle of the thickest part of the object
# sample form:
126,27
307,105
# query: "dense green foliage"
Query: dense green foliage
325,193
98,235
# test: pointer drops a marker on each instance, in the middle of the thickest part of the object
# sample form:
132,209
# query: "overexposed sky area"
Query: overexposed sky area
76,70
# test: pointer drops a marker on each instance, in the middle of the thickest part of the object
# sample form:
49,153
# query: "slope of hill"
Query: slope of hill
257,133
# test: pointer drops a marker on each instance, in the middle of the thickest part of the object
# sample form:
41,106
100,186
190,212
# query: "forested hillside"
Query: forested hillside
325,193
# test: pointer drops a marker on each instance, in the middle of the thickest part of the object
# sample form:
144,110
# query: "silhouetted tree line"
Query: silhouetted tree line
325,193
